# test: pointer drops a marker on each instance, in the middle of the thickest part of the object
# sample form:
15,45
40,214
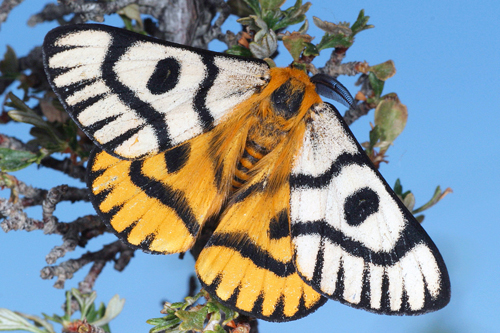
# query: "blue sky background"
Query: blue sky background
448,74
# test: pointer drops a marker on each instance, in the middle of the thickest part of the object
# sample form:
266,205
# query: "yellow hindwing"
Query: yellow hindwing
155,203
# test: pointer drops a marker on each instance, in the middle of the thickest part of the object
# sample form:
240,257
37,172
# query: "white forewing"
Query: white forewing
135,95
354,240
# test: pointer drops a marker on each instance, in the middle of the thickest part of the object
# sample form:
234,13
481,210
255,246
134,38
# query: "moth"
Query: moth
188,138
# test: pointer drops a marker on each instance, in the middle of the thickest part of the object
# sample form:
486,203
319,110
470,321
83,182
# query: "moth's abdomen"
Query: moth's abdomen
251,155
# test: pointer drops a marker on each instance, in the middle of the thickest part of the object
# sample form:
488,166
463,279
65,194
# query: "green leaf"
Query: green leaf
375,135
168,322
113,309
376,84
270,62
391,116
271,4
361,23
14,160
192,320
39,322
437,196
11,321
23,113
332,28
85,301
295,43
254,5
9,66
272,17
132,12
239,8
217,329
289,21
398,188
293,15
384,70
420,218
239,51
303,29
229,313
265,44
409,201
310,50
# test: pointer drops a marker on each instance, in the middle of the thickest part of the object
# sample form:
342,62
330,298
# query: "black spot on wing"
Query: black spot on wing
165,76
176,158
120,44
279,226
360,205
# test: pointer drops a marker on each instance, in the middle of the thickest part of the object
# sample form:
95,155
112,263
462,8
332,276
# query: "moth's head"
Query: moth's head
288,96
291,93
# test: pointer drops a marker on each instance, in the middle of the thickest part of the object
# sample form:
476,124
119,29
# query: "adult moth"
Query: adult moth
187,137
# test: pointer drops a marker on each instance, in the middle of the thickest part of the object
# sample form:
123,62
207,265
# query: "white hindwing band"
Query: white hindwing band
135,95
354,241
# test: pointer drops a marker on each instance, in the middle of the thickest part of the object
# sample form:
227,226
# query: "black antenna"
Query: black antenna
331,88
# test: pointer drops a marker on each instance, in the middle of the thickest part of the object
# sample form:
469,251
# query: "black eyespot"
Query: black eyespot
165,77
360,205
286,101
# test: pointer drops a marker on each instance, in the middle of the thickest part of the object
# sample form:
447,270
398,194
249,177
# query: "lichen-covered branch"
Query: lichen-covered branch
66,269
6,7
359,110
66,166
185,22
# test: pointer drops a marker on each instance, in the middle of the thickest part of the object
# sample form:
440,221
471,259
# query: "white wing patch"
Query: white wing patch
354,241
135,95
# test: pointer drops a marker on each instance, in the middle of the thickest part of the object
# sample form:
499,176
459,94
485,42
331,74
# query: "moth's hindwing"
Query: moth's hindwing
154,203
248,262
135,95
354,240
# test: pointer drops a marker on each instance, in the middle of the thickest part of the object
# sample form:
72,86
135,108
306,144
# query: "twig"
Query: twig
11,142
215,31
358,111
65,166
66,269
78,232
184,22
6,7
349,69
15,218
